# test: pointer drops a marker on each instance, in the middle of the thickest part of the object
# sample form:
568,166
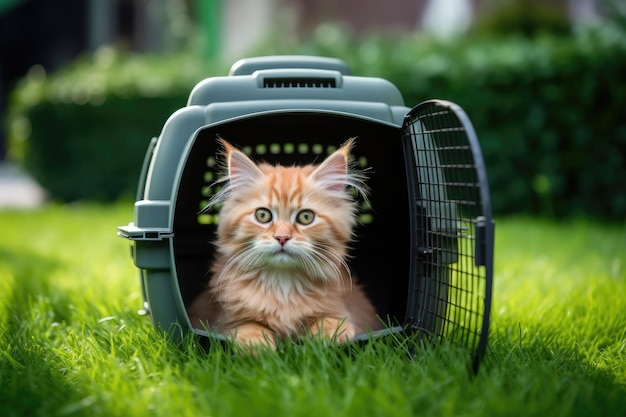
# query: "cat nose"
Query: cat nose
282,239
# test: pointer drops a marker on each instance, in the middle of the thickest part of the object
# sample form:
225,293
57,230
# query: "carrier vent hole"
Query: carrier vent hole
299,83
207,191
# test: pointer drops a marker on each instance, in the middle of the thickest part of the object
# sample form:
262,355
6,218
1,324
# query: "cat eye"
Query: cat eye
263,215
305,217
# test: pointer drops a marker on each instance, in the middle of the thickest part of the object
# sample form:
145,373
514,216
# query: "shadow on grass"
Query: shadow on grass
33,377
544,368
32,286
32,384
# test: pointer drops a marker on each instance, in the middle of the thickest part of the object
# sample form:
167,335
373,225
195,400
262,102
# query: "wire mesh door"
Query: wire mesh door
452,229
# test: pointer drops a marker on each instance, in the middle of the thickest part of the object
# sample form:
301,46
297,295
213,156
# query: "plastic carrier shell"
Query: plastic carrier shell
425,242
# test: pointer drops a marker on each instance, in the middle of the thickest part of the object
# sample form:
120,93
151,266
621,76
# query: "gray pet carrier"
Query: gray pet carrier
425,246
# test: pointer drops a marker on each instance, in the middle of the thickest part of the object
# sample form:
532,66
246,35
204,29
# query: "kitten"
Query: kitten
281,253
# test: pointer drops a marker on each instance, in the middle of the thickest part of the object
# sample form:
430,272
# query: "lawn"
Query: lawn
71,342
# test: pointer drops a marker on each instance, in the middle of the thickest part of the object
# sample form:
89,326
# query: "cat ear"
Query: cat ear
241,169
333,172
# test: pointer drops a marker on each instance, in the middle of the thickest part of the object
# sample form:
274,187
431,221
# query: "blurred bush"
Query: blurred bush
82,133
548,111
528,18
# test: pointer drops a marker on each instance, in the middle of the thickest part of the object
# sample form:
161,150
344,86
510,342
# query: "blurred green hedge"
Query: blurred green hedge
549,112
82,132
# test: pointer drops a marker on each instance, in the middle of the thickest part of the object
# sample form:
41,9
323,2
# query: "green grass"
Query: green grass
71,342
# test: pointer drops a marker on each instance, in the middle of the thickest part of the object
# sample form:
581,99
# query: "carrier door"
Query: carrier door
451,226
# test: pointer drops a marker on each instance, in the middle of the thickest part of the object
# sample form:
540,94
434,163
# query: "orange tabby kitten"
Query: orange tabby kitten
280,268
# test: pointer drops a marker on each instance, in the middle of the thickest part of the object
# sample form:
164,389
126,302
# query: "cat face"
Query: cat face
287,218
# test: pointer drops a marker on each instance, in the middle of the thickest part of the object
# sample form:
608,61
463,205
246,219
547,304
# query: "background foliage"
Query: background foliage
548,110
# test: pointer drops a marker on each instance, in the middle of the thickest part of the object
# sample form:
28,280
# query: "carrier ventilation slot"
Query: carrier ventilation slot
299,83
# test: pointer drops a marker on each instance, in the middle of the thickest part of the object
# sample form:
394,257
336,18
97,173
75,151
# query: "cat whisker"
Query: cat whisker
325,264
237,266
340,261
313,267
246,260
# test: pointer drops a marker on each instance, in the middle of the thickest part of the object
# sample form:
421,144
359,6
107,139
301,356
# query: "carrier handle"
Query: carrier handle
247,66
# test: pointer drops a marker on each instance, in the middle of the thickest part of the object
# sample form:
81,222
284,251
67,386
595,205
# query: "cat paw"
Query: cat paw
253,337
337,330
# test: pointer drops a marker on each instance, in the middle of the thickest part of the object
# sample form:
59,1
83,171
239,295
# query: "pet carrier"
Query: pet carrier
425,241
